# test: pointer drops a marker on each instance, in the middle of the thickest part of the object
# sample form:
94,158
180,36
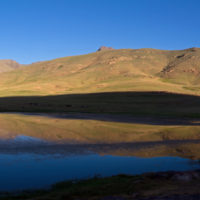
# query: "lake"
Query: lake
37,151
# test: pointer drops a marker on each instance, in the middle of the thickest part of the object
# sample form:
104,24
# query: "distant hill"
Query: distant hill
8,65
107,70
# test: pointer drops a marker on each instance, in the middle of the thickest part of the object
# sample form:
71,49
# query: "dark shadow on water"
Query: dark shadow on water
120,118
139,107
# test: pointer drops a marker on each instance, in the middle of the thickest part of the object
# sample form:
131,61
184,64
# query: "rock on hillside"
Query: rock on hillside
8,65
184,67
104,48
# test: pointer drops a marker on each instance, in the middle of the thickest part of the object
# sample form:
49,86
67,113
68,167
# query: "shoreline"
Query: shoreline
170,185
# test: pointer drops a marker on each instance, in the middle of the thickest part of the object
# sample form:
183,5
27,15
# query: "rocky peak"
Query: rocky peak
104,48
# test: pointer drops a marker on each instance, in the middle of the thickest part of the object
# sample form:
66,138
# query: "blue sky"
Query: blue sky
34,30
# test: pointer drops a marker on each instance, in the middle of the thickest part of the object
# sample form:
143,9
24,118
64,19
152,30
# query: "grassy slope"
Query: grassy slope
114,70
110,71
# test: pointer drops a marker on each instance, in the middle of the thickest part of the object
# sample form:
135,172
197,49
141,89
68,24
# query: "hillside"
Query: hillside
8,65
107,71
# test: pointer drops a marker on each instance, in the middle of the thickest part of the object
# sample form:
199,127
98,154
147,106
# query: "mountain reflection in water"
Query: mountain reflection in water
42,150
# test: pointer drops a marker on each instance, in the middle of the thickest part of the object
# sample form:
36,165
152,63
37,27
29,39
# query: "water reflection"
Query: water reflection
36,151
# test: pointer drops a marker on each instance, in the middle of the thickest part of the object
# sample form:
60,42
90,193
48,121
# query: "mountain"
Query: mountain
108,70
8,65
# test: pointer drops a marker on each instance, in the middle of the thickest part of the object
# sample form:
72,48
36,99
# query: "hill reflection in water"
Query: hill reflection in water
43,134
37,151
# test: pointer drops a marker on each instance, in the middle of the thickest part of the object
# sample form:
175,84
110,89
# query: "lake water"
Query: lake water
37,151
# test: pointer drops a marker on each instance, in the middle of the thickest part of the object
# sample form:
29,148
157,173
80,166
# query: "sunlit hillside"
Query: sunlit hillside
110,70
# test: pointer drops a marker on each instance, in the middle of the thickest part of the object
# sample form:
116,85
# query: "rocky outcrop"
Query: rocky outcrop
8,65
104,48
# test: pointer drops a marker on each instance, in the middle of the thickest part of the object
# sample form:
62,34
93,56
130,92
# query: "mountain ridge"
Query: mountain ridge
110,70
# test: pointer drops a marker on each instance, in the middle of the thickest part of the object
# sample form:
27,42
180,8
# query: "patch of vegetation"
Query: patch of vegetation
192,88
60,66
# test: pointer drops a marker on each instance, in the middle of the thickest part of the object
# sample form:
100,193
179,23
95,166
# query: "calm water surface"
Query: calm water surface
37,151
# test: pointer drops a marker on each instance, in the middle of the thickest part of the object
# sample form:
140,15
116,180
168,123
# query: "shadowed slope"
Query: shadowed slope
145,104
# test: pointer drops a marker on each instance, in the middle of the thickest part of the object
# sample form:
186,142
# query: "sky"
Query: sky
36,30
